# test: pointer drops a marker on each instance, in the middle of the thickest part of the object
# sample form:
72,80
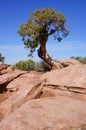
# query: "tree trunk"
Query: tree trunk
52,64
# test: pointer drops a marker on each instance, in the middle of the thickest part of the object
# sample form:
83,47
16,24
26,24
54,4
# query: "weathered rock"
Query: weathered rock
3,66
70,81
69,62
4,96
62,105
57,113
74,76
6,70
20,82
26,87
8,77
23,80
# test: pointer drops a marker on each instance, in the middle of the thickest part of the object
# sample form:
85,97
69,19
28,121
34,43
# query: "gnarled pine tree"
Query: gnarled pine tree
39,27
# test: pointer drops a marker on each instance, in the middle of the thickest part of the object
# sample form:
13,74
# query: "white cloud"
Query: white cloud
15,53
66,46
11,47
69,45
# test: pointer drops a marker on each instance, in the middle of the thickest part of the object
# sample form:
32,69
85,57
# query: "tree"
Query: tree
39,27
2,58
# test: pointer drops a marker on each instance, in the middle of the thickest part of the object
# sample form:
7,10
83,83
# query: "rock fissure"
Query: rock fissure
6,81
67,88
34,93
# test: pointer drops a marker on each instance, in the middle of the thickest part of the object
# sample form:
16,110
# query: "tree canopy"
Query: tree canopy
39,27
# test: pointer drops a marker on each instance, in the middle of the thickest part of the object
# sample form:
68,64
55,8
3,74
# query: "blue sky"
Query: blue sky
15,12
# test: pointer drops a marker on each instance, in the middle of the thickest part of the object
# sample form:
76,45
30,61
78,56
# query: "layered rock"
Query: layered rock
55,100
2,67
69,62
5,79
26,89
6,70
57,113
70,81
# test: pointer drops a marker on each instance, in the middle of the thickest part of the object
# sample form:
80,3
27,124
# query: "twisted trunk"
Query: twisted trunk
42,53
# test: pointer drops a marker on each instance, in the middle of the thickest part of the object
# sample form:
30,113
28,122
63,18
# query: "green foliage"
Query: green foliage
25,65
84,60
2,58
31,65
40,25
81,59
44,66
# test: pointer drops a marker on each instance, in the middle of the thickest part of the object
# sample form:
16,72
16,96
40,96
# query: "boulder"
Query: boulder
3,66
23,80
70,80
69,62
20,82
6,70
8,77
25,87
56,113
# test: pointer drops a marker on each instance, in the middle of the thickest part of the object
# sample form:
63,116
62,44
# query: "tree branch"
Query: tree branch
52,32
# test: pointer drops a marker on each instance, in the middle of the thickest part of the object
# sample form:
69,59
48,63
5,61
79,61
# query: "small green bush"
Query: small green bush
25,65
81,59
2,58
31,65
84,60
44,66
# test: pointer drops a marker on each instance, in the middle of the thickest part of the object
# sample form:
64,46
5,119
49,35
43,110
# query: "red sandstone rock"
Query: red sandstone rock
72,78
69,62
21,81
3,66
55,113
8,77
25,87
62,105
7,70
70,81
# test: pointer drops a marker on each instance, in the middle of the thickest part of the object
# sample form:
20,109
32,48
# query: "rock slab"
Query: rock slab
55,100
55,113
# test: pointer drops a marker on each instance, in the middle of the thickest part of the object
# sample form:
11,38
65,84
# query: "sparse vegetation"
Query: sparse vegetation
31,65
2,58
81,59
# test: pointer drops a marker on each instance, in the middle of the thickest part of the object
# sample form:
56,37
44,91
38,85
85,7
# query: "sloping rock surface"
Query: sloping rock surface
72,78
2,67
21,81
55,100
48,113
6,70
8,77
27,88
69,62
68,75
